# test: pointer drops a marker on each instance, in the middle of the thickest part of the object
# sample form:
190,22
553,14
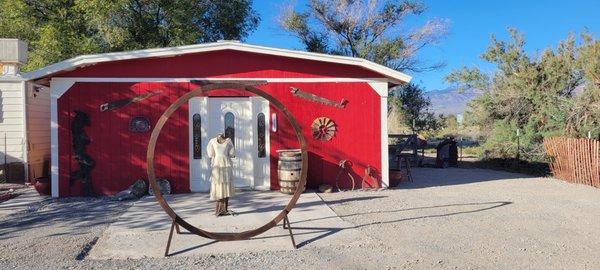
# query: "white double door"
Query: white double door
238,119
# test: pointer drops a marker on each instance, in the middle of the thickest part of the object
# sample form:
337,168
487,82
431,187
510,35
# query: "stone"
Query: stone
325,188
135,191
163,185
139,188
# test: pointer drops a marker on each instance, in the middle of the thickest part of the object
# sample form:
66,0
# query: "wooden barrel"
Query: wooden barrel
289,169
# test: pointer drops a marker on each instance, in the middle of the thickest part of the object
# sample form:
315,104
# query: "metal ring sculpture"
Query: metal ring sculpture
223,236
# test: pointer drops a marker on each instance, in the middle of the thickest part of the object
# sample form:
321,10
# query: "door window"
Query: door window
230,126
261,145
197,136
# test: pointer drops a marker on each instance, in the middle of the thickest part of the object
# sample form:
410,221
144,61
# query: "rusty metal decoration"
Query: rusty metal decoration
312,97
323,129
370,178
126,101
139,124
225,236
344,164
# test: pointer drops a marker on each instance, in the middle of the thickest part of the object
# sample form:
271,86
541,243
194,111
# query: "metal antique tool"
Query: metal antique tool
312,97
126,101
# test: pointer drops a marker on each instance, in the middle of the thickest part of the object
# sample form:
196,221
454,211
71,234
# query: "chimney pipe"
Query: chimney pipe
13,54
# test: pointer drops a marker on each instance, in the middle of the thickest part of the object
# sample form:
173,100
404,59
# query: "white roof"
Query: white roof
85,60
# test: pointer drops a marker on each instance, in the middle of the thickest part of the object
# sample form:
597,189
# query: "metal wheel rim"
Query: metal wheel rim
224,236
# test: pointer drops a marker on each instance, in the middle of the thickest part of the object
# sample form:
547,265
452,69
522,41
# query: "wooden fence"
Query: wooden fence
575,160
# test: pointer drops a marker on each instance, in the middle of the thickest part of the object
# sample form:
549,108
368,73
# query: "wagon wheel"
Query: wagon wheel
343,168
323,129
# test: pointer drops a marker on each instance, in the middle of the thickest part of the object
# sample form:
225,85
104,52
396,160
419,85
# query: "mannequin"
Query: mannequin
220,150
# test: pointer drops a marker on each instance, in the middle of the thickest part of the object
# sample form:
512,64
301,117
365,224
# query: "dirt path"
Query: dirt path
446,219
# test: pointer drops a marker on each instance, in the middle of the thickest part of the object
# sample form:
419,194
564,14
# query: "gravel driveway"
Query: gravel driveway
446,219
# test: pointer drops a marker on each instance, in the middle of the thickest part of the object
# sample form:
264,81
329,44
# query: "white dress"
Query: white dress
221,178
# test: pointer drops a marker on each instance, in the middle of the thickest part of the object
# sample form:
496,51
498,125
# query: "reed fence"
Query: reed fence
574,160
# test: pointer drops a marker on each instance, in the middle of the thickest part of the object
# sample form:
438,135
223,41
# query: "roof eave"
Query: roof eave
84,60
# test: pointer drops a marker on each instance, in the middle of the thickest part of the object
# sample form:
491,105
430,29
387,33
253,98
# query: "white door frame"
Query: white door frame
200,168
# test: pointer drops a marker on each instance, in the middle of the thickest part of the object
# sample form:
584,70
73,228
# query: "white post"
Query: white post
57,88
382,89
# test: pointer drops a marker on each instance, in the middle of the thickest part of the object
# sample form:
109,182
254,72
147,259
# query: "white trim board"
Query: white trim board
86,60
385,177
66,82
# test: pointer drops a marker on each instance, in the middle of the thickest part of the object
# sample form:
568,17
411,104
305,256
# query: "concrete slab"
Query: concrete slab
143,230
21,202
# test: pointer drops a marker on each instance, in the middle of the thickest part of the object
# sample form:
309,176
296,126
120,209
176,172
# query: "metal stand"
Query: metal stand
175,226
403,159
289,227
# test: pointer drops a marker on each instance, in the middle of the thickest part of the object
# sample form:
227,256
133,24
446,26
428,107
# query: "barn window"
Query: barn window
230,126
196,136
262,152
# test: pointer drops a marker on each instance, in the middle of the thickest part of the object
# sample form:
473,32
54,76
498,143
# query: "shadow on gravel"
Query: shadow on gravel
325,232
435,177
330,231
78,214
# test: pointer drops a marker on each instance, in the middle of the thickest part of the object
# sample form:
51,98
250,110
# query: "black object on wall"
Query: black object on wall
196,136
80,142
139,124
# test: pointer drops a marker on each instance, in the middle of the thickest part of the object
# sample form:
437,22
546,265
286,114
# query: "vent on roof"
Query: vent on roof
13,51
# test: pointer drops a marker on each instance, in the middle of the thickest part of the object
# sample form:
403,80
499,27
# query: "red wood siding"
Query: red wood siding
226,63
358,138
120,154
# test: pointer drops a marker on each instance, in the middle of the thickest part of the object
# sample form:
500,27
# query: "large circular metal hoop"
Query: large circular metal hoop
223,236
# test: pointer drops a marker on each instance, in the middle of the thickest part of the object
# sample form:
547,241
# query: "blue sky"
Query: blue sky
472,22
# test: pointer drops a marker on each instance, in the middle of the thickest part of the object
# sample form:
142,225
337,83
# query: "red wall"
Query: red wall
120,154
357,138
226,63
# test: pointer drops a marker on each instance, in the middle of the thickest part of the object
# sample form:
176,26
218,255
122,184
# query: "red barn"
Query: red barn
323,81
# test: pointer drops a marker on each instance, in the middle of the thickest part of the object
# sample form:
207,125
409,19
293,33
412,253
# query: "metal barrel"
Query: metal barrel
289,169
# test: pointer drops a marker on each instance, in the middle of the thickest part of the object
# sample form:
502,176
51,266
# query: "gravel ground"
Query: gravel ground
446,219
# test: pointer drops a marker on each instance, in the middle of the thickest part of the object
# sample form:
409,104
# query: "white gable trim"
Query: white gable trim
64,83
85,60
57,89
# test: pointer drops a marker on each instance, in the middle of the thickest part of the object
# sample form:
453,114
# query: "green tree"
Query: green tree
369,29
59,29
413,108
535,95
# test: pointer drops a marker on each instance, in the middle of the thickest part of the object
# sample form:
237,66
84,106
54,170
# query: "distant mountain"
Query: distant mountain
450,100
